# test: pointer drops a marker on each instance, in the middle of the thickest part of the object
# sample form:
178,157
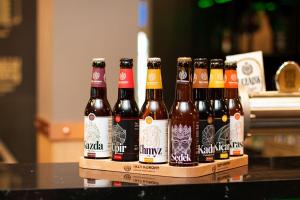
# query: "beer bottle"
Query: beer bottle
125,134
153,118
220,109
184,130
97,116
202,102
235,110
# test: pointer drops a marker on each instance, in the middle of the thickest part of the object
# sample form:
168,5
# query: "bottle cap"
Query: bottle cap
200,62
128,62
184,59
230,65
154,59
216,63
98,62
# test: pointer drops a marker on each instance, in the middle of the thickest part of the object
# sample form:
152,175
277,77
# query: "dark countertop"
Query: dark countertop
277,177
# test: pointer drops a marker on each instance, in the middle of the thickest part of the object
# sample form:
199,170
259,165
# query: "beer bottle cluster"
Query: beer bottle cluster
205,121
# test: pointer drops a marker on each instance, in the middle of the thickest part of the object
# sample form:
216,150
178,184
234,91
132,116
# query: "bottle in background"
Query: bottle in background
125,134
97,116
220,109
153,134
184,125
235,110
202,102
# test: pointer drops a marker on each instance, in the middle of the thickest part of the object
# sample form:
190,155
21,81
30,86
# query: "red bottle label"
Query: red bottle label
126,78
98,77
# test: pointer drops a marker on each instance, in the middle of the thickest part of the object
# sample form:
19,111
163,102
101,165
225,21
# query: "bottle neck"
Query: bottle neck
231,93
154,95
126,93
98,83
98,92
231,84
184,84
200,84
154,83
200,94
217,93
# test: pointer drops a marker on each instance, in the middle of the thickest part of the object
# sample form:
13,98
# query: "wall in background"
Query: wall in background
70,34
18,77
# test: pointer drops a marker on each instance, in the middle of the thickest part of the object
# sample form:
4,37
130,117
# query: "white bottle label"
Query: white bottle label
153,140
97,136
236,134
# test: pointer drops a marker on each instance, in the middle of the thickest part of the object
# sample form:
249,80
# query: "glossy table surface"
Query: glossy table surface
270,177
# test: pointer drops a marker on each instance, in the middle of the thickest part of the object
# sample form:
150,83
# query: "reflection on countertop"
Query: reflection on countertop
267,177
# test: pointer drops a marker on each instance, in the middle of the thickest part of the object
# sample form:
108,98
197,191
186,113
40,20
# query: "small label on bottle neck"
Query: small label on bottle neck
200,78
216,79
154,79
183,75
231,80
98,77
126,79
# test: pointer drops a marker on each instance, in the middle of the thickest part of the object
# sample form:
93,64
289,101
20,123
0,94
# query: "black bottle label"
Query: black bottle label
125,139
222,137
206,140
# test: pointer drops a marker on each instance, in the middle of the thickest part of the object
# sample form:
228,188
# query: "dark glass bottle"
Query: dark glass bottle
153,118
202,102
125,134
184,129
220,109
236,112
98,116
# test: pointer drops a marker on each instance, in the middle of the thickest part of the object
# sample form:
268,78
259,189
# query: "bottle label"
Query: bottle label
181,140
231,80
222,137
125,138
153,140
97,136
200,78
237,134
153,79
98,77
207,139
126,79
216,79
182,75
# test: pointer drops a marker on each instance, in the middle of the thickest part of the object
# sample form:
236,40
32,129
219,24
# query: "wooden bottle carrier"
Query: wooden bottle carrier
164,169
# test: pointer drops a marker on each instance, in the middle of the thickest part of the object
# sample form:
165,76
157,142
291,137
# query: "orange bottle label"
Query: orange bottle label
153,79
200,78
216,79
231,80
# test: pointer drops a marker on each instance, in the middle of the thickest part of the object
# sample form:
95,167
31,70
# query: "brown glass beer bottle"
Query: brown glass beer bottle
153,118
235,110
97,116
202,102
125,130
184,129
220,109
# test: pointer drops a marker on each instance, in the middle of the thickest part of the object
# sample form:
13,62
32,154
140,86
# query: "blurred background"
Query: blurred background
46,47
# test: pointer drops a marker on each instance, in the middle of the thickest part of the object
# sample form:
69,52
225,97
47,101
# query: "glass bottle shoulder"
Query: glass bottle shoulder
234,105
184,109
155,109
204,108
126,107
220,108
100,107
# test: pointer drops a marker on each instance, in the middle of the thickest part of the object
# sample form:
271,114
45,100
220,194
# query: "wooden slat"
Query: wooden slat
164,169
